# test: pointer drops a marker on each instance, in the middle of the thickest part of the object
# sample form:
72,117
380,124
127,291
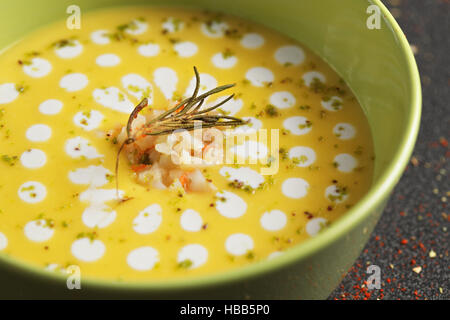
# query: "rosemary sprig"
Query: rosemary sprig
185,115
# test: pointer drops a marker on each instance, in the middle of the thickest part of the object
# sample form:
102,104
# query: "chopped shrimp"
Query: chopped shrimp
172,161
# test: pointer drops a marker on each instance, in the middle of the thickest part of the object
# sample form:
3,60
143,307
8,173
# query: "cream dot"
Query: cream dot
148,220
148,49
185,49
114,99
38,133
136,27
230,205
143,258
208,82
250,149
73,49
79,147
312,76
290,55
172,25
247,176
137,86
336,194
214,29
273,220
107,60
88,120
259,76
239,244
8,93
274,255
252,41
50,107
332,104
230,108
38,230
88,250
32,192
282,99
223,61
195,253
302,156
37,68
295,188
166,80
345,162
344,131
100,37
95,176
98,216
3,241
33,158
191,220
73,82
314,226
297,125
252,126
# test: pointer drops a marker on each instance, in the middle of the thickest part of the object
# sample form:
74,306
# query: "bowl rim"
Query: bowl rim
363,208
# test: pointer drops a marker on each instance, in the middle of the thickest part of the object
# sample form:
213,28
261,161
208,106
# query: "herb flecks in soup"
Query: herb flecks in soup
66,94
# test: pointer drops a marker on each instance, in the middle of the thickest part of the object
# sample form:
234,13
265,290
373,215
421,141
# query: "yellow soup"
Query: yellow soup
62,91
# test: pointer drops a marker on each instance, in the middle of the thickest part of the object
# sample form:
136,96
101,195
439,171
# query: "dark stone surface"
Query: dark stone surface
416,220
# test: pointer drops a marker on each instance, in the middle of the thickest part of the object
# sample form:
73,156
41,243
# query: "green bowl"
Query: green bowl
380,68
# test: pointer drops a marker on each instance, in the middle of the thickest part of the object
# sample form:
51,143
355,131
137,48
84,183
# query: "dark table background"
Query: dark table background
411,242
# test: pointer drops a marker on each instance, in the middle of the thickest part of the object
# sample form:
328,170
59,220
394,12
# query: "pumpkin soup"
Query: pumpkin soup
171,208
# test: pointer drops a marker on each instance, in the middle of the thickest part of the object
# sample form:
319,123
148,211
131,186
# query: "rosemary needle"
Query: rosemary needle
186,115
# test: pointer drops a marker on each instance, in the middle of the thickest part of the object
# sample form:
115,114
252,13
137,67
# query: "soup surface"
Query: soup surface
62,91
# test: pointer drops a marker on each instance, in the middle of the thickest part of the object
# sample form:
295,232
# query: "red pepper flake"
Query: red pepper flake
413,262
402,213
443,142
422,246
404,241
